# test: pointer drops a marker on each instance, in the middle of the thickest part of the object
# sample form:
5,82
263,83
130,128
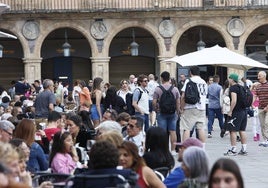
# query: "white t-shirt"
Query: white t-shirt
151,87
203,90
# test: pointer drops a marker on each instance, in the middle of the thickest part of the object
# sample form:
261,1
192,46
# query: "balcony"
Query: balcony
36,6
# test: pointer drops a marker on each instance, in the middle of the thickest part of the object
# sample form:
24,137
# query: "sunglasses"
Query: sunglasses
130,126
10,134
145,81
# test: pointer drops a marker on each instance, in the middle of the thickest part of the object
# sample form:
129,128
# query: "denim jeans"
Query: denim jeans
145,118
167,121
211,117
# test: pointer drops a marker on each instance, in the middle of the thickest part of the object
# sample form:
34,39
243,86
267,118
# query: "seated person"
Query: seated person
104,158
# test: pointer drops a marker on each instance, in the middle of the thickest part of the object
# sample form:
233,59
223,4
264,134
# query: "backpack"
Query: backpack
246,96
191,93
129,98
167,102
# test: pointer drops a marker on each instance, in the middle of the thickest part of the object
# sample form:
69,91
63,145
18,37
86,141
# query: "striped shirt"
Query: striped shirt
262,93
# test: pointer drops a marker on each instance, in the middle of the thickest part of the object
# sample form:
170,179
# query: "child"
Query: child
63,157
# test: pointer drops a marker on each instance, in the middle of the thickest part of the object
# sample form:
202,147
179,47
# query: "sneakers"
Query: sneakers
209,135
230,153
257,137
241,152
264,144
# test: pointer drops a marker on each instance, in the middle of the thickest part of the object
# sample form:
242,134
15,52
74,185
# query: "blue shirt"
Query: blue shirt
214,95
175,178
37,160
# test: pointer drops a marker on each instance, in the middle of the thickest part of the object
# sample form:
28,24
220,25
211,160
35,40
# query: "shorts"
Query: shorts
238,121
193,117
167,121
94,112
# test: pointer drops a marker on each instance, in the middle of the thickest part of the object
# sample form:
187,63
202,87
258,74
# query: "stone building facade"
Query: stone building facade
100,37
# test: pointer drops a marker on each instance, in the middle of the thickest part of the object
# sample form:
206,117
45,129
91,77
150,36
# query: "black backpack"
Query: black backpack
167,101
246,96
129,99
191,93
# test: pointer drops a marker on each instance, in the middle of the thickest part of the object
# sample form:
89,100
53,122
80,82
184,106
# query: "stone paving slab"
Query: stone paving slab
254,166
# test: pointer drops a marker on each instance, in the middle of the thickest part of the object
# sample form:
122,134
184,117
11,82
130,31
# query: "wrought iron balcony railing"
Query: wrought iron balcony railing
36,6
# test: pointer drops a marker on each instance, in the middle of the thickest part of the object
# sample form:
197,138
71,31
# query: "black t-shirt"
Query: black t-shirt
236,89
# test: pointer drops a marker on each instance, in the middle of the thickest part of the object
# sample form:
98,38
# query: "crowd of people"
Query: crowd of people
97,128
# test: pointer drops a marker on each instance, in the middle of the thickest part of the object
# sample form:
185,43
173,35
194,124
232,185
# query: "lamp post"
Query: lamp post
134,47
200,44
66,47
1,51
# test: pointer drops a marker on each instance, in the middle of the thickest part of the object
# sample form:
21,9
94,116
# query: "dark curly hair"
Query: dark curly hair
103,154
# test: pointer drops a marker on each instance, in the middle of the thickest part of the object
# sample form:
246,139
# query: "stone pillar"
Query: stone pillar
171,67
100,67
32,69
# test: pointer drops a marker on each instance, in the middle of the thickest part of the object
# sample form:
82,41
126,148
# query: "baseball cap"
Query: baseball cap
190,142
234,77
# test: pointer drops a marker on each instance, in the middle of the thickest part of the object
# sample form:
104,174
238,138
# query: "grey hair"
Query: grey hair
110,126
263,73
196,160
47,83
5,125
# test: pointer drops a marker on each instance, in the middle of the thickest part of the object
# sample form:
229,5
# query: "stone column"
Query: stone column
171,67
32,69
100,67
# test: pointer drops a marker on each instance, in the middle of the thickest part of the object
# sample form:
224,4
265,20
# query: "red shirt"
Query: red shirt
262,93
50,132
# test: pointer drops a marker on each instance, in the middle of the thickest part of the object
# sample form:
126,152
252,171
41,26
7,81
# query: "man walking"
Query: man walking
194,114
167,121
141,100
262,94
238,117
214,104
152,84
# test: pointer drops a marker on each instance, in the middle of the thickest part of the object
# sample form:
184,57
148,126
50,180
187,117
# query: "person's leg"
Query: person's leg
143,118
171,127
201,135
211,116
219,116
243,137
178,133
146,122
187,122
185,135
233,140
200,125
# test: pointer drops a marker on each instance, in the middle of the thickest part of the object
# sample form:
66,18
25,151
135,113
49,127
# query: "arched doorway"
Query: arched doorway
11,64
122,64
188,43
67,69
255,49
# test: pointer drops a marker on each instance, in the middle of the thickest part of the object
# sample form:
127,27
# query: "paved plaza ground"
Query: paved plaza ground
254,166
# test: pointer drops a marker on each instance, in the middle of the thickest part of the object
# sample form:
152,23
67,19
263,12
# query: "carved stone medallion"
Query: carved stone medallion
98,30
236,27
166,28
